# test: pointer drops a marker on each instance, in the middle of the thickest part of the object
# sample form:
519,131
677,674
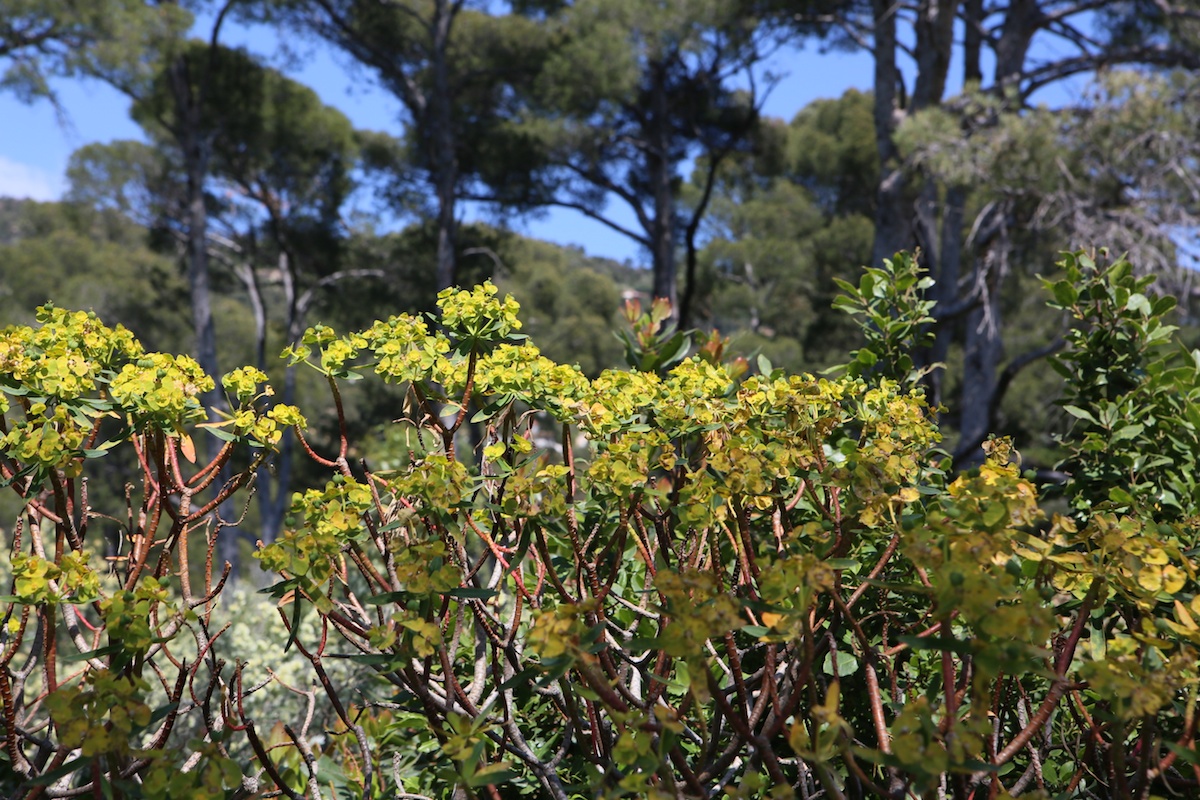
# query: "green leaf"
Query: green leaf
1138,302
373,659
1120,496
522,678
492,409
222,434
472,593
994,514
47,778
1076,411
847,663
1187,754
1128,432
101,652
1065,293
845,286
946,643
492,774
386,597
675,349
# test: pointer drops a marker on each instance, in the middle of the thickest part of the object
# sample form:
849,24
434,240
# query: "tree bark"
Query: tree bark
1022,21
691,248
935,40
440,122
945,290
430,106
973,41
196,148
896,222
660,168
983,349
892,232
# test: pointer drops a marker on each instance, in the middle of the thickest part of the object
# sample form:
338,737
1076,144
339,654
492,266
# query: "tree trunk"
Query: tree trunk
440,121
935,41
973,41
892,231
896,223
661,171
198,278
945,290
274,488
982,351
1022,21
195,145
195,154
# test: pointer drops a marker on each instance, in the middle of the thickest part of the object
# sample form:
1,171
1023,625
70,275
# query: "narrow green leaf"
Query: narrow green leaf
472,593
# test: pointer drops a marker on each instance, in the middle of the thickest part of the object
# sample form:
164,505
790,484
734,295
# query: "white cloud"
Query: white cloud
24,180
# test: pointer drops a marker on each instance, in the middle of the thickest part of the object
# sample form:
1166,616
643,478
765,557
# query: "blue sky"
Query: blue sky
35,142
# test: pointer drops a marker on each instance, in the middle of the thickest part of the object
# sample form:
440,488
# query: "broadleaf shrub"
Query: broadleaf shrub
1132,391
678,581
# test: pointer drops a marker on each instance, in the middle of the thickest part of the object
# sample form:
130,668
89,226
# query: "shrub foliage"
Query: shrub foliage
677,581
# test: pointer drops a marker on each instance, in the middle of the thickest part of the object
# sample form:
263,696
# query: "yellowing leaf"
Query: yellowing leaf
187,447
798,739
1173,579
1150,579
1182,614
1156,556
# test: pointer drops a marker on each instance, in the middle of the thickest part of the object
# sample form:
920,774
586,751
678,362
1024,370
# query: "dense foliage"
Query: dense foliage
674,581
504,571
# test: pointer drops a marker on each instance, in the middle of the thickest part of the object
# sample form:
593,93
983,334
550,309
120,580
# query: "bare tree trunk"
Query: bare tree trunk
935,40
423,49
1022,21
895,216
892,230
274,507
660,168
198,279
691,248
982,352
196,149
945,290
973,41
195,153
440,122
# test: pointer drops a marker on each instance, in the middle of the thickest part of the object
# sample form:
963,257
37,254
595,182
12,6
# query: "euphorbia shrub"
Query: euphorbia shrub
109,658
680,584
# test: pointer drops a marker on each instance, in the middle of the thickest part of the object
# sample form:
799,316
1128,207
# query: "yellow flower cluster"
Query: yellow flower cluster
404,349
242,384
38,580
522,372
478,313
63,357
162,388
